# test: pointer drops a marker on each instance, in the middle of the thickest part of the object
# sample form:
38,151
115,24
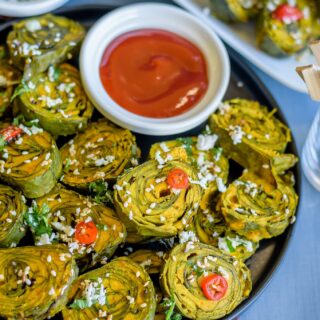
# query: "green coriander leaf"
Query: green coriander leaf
217,152
20,89
229,244
100,193
79,304
3,143
56,73
37,219
187,142
67,164
21,120
102,227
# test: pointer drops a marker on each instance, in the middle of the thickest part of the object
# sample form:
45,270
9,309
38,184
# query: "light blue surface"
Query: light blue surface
294,292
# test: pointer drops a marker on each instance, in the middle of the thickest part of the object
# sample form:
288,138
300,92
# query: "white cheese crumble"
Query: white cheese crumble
206,142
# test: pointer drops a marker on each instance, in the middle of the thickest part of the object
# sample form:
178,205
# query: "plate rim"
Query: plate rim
244,65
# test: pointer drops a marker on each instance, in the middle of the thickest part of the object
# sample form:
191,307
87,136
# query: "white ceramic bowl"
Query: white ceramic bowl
27,8
159,16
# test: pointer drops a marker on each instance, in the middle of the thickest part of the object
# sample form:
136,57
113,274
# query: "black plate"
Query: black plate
244,84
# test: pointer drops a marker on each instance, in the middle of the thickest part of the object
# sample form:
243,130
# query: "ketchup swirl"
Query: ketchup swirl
154,73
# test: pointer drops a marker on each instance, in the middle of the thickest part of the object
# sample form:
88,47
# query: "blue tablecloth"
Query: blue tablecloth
294,292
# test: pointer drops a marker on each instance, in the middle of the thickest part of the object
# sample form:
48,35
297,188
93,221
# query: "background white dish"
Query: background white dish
241,37
27,8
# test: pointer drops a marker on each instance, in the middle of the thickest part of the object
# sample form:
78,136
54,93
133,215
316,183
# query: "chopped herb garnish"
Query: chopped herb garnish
20,119
3,143
37,219
56,73
100,193
170,313
187,142
79,304
217,151
229,244
67,164
20,89
102,227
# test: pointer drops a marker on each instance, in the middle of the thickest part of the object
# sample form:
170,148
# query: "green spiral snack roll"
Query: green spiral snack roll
285,28
12,210
102,152
209,160
151,260
120,290
252,136
34,282
29,159
157,200
9,78
91,231
56,98
235,10
203,282
39,42
257,209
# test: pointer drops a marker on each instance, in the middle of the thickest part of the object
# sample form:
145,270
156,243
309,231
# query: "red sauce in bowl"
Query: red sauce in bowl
154,73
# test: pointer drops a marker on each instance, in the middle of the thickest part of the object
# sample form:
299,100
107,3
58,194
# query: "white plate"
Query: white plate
27,8
241,37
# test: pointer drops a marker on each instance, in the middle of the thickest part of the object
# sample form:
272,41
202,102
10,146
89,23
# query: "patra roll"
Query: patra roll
258,209
286,27
102,152
235,10
29,159
9,78
211,228
210,162
34,282
36,43
252,136
120,290
91,231
148,204
204,282
12,211
56,98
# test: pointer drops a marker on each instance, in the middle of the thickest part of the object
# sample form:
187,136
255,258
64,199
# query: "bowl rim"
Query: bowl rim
127,17
28,9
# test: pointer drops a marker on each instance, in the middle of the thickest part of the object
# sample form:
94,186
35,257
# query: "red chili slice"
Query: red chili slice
86,232
10,133
178,179
214,287
286,12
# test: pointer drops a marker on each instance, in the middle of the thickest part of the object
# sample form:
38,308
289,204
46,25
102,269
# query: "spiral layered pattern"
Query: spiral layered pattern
59,103
182,274
102,152
235,10
210,163
129,293
32,163
252,136
35,281
39,42
279,38
149,207
12,210
9,77
256,209
68,208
